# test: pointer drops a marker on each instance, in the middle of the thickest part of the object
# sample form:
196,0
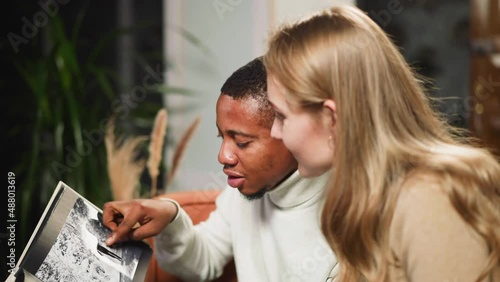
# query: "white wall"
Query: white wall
234,32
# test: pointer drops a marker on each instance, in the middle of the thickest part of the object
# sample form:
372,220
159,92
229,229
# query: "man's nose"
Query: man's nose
226,155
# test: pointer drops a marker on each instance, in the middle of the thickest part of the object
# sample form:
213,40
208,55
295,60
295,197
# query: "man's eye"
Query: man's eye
242,145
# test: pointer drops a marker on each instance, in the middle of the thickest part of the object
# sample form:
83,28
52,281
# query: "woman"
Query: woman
408,200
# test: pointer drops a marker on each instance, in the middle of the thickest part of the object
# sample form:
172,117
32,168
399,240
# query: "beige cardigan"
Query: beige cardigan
430,239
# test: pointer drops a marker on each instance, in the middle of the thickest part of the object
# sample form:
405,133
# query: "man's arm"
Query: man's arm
136,219
190,252
197,253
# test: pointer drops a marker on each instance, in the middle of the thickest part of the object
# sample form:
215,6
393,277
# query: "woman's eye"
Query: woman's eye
279,116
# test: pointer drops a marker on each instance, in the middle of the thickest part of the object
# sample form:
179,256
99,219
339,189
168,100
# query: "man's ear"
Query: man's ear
331,108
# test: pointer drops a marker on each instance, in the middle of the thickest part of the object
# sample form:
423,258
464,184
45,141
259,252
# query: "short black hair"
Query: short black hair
250,82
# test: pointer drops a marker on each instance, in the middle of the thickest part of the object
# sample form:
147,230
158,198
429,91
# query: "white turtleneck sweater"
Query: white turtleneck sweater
275,238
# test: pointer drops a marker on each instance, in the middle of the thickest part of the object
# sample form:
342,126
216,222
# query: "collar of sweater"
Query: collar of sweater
296,190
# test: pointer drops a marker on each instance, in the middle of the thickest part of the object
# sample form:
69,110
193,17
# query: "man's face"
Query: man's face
253,161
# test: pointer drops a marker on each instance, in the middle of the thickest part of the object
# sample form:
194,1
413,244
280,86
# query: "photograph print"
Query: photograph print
80,254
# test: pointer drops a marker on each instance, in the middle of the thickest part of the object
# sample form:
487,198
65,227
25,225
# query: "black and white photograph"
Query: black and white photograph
79,252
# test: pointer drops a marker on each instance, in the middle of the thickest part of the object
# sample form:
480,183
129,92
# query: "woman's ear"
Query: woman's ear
331,108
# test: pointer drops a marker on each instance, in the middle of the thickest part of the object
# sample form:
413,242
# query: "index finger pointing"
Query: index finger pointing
124,229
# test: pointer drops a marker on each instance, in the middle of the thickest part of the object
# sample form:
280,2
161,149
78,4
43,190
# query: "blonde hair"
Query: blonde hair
385,130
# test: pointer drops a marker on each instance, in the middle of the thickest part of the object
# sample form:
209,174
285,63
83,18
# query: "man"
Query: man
269,224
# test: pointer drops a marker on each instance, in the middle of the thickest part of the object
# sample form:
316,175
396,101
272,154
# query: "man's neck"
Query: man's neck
292,171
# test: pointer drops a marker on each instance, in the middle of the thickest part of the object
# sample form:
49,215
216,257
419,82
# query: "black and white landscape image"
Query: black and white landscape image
80,254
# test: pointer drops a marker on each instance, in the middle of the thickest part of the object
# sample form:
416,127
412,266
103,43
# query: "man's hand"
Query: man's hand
136,219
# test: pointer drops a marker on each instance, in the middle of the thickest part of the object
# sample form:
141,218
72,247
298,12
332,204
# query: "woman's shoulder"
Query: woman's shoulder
427,230
424,209
429,190
422,193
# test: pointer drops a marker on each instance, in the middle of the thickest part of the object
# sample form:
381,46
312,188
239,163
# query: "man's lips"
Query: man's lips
234,179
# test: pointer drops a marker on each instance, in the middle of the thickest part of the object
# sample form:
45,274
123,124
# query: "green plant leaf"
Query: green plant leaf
57,30
75,32
103,81
36,76
173,90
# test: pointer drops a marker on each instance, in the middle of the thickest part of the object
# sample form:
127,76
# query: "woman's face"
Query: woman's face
309,136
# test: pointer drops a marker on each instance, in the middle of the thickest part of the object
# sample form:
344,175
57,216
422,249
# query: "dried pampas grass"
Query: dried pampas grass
124,165
181,148
156,148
